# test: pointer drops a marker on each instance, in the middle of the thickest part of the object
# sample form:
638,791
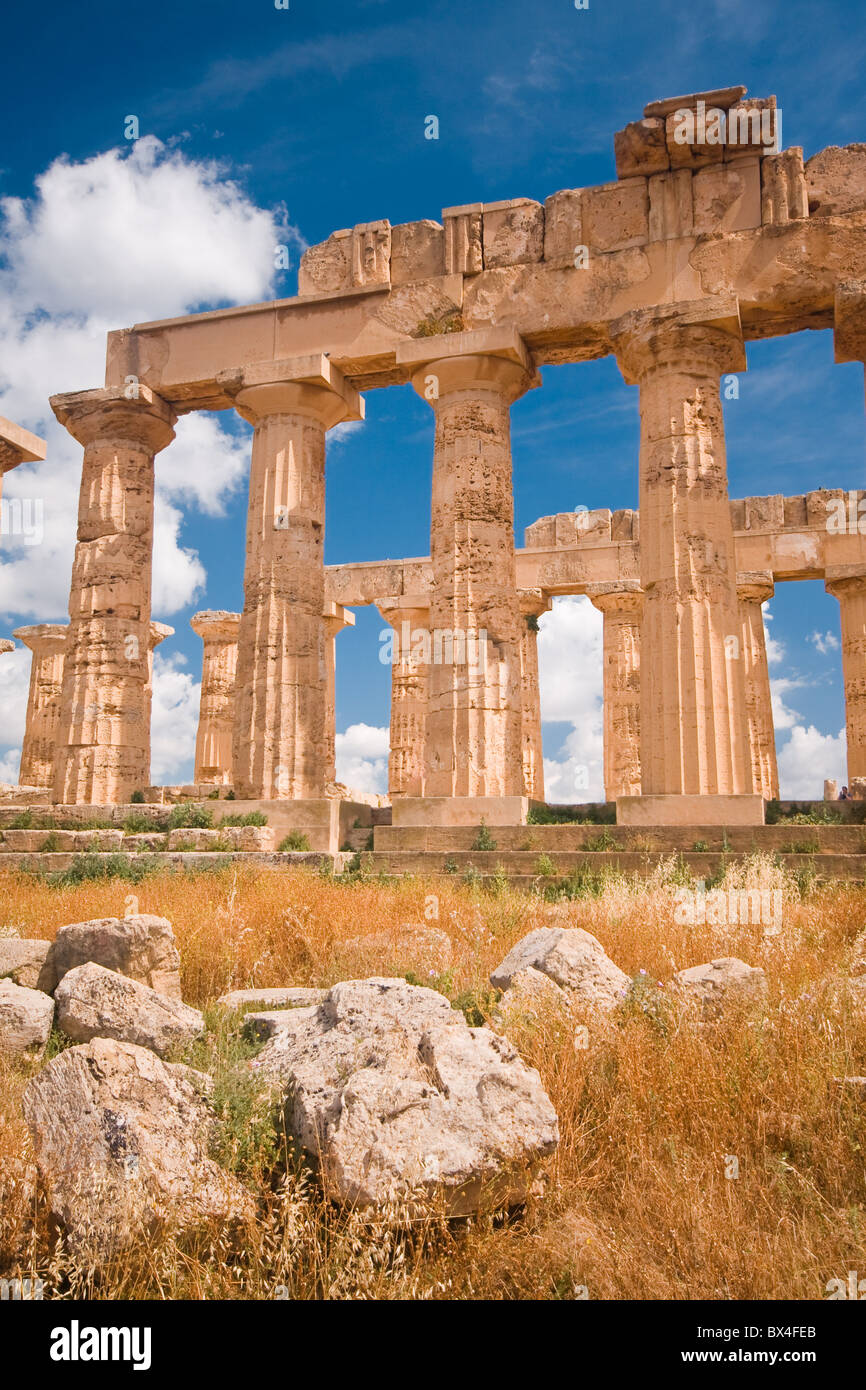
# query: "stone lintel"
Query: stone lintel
722,98
18,445
460,810
501,341
662,809
335,613
849,338
465,210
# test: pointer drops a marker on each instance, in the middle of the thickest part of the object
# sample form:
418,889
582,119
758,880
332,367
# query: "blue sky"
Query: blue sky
315,115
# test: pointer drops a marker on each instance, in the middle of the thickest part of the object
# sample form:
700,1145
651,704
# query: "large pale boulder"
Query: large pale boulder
25,1018
142,947
399,1100
573,959
532,995
722,984
121,1141
22,960
93,1002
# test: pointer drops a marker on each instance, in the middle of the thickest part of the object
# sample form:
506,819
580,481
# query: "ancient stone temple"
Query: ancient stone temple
711,236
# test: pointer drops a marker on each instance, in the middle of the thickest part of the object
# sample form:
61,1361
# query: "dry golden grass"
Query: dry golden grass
638,1204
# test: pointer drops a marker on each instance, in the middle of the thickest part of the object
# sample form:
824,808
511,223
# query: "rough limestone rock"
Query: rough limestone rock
720,984
286,997
93,1002
573,959
22,960
121,1141
400,1100
142,947
531,995
266,1023
25,1018
410,946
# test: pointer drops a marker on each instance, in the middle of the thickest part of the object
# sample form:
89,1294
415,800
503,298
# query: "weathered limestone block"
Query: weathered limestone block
142,947
671,205
121,1141
285,997
622,606
464,253
213,747
784,196
573,959
47,642
103,735
399,1101
641,148
145,842
531,996
25,1019
411,946
836,180
727,197
62,841
281,743
371,253
417,251
763,513
327,268
615,215
262,1024
254,839
513,232
22,960
93,1002
753,590
693,153
752,126
474,718
722,984
563,227
409,616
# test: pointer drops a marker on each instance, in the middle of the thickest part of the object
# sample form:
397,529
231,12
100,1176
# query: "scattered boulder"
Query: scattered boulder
573,959
25,1018
268,1022
22,960
531,995
398,1099
121,1142
288,997
141,947
720,984
93,1002
407,947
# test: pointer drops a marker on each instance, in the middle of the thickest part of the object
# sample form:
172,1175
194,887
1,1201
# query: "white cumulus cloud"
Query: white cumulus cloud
362,758
570,677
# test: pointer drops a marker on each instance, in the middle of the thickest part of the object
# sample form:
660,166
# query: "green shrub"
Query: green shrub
484,841
294,843
87,868
250,818
137,798
545,866
50,843
190,818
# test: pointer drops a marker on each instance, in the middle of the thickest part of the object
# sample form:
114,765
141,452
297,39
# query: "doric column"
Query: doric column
693,702
622,605
409,616
157,633
47,642
850,590
17,446
335,618
532,604
103,752
216,718
753,589
280,738
474,713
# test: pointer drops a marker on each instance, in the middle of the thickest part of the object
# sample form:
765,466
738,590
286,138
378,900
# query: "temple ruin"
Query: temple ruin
700,245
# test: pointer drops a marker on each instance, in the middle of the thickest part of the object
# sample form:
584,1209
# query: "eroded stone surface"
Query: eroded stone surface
25,1018
142,947
573,959
93,1002
721,984
22,960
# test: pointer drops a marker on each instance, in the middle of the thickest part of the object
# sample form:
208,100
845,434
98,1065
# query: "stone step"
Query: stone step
523,867
552,839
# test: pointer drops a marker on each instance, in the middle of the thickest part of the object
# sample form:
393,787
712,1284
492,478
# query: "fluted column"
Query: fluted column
103,752
281,702
335,618
474,713
622,606
47,642
213,745
850,590
753,589
532,604
694,733
157,633
410,673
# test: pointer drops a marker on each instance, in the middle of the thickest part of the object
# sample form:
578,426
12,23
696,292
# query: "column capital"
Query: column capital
485,358
405,608
18,445
43,637
617,599
6,645
110,413
213,624
699,334
158,633
844,579
534,602
755,586
336,617
849,320
310,385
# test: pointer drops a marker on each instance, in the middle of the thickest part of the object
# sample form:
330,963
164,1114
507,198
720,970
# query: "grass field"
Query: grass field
638,1204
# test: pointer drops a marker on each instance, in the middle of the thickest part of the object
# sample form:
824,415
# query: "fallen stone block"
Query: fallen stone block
93,1002
721,984
25,1019
22,960
142,947
573,959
